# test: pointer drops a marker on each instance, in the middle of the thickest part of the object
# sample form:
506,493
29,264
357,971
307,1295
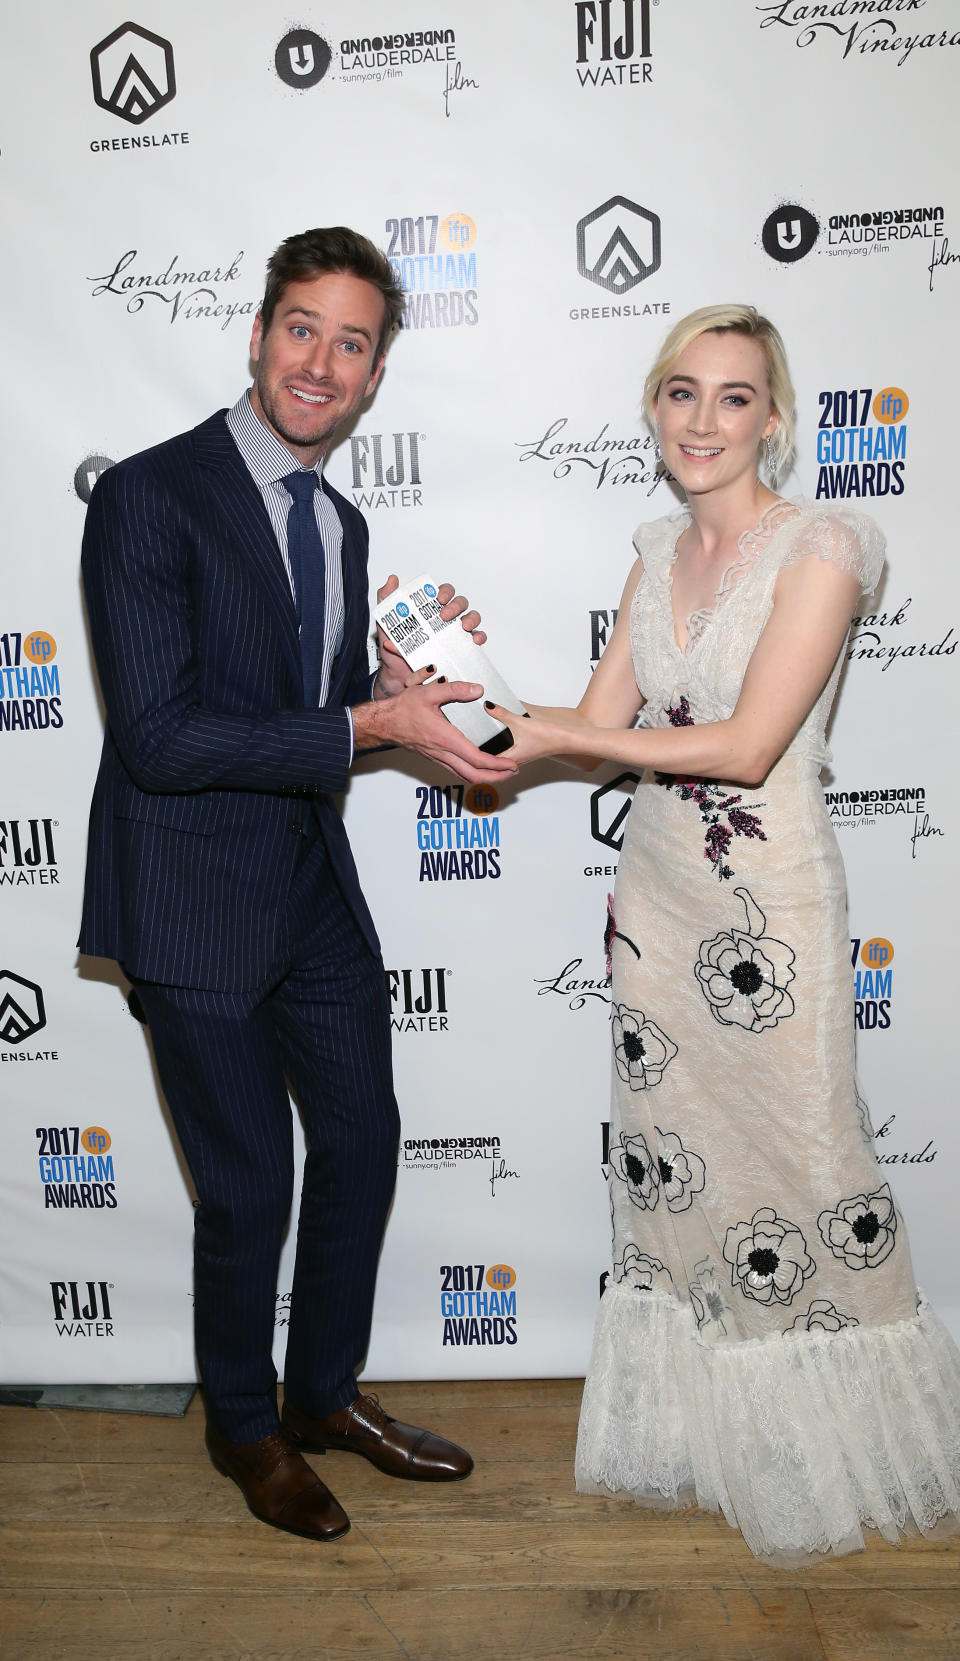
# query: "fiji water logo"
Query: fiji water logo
458,832
76,1168
613,43
81,1309
435,261
29,681
478,1304
862,442
872,982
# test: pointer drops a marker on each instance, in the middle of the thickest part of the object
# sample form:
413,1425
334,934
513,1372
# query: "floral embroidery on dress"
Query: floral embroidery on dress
768,1257
682,1173
744,974
712,800
862,1230
641,1051
822,1316
636,1269
706,1294
631,1162
863,1114
612,933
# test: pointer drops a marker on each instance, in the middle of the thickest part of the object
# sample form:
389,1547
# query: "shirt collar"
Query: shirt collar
268,459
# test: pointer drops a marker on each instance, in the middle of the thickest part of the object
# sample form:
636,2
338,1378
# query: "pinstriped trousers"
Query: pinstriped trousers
225,1061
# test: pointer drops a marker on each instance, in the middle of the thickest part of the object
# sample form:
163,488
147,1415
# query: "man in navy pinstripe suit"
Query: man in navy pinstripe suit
219,873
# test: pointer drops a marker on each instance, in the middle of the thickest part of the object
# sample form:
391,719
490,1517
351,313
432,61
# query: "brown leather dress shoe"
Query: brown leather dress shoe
279,1486
395,1448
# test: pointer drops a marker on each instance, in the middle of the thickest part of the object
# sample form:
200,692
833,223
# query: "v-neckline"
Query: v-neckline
701,617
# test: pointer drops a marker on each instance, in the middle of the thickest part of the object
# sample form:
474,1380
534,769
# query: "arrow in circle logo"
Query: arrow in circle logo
133,73
302,59
789,233
21,1008
618,245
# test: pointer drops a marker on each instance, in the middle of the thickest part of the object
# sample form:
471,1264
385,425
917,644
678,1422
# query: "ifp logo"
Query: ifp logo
501,1277
890,405
876,954
95,1139
133,73
458,232
40,647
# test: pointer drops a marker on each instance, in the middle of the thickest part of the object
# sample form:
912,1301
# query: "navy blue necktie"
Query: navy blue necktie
305,551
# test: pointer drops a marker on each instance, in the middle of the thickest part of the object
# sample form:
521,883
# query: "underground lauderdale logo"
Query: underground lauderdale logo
789,233
302,59
133,73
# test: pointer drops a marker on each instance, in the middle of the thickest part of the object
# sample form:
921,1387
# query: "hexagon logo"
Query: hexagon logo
609,809
133,74
21,1008
618,245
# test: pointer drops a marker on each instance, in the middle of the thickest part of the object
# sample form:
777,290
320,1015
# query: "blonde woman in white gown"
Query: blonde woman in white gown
760,1348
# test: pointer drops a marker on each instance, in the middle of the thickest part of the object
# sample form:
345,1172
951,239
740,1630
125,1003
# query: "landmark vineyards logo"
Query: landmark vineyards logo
602,458
192,292
613,43
870,642
133,73
864,28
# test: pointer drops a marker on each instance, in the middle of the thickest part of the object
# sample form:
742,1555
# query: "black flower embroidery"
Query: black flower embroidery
768,1257
631,1161
612,933
636,1269
713,801
862,1231
863,1115
822,1316
744,975
682,1172
641,1051
706,1294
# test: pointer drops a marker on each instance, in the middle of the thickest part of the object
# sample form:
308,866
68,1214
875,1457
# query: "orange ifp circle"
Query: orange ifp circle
39,646
458,232
890,404
501,1276
95,1139
877,953
481,798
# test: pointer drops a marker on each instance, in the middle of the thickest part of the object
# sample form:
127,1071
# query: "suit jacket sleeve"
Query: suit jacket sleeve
138,580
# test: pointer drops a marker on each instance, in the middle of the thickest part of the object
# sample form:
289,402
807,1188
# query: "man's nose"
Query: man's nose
319,358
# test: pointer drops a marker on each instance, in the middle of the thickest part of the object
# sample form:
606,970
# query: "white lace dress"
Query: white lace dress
760,1347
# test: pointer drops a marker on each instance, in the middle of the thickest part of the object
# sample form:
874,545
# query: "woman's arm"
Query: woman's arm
813,604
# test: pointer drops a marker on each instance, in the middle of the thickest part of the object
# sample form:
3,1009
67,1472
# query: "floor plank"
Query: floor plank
119,1540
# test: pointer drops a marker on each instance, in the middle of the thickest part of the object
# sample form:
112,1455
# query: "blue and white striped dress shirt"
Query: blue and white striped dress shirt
268,461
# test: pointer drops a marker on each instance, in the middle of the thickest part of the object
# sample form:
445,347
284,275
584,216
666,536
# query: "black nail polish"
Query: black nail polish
487,704
431,668
441,680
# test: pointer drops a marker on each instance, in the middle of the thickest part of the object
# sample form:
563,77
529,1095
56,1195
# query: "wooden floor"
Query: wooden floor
121,1543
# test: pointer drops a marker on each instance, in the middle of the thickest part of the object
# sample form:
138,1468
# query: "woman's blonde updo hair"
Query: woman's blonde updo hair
747,321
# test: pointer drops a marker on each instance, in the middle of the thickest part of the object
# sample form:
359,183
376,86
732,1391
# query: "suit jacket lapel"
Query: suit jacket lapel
235,500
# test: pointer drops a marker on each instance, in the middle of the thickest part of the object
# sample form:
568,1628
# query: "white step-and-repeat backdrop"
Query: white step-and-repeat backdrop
556,182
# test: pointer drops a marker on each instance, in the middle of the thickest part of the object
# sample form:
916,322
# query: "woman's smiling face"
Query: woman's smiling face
714,409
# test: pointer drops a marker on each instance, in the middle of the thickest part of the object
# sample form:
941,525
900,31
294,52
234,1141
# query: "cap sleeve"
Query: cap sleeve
656,539
851,541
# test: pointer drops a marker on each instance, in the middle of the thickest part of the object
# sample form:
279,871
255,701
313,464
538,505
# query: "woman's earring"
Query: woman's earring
770,458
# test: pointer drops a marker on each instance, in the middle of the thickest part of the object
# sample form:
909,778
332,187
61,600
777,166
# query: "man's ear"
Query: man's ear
256,337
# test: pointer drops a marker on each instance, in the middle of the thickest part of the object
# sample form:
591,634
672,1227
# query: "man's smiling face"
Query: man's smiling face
317,361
